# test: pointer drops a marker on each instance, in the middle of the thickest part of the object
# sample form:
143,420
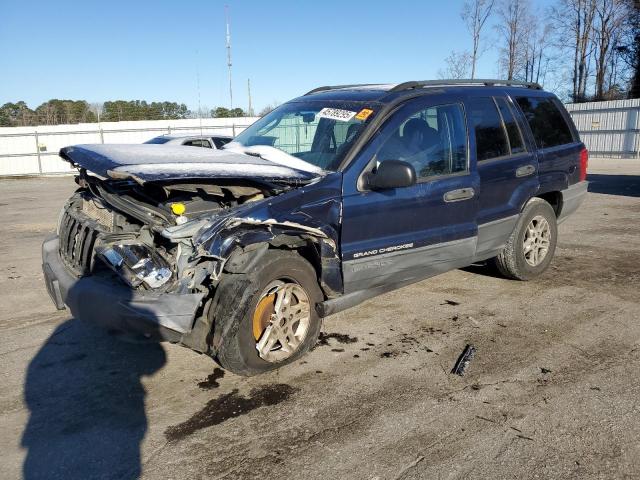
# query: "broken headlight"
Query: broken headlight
136,264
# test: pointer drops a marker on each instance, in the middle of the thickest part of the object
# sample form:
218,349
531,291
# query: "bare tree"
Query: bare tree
536,51
610,18
475,14
458,65
96,108
268,108
513,28
574,20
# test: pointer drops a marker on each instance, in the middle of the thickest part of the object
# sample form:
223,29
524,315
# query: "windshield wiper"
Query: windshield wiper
275,155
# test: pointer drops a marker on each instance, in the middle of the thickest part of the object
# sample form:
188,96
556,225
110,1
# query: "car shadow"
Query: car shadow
483,268
623,185
87,404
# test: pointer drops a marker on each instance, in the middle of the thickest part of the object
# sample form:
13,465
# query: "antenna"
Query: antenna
226,12
199,108
250,111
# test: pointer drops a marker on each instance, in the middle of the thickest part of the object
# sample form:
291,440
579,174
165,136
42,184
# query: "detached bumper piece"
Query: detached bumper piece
572,198
111,304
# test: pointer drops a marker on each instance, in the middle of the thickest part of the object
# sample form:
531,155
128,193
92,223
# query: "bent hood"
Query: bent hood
147,162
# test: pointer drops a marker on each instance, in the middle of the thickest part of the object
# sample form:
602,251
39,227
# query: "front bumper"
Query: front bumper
113,305
572,198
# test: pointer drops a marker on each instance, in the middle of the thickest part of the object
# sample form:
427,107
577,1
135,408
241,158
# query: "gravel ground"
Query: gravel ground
551,393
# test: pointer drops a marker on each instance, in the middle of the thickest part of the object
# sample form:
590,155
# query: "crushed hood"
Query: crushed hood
146,162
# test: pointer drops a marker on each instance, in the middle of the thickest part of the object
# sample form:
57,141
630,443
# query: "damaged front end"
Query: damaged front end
145,255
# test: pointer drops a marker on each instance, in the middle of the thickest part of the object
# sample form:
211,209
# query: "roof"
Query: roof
192,135
388,91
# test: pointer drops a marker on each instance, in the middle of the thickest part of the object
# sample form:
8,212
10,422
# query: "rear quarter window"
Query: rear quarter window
547,123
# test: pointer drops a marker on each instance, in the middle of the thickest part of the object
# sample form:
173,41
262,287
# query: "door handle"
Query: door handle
525,170
459,194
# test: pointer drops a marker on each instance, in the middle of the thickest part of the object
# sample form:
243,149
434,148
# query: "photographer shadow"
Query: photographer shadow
86,401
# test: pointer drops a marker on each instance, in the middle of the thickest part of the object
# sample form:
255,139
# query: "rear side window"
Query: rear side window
197,143
510,124
158,140
547,124
491,140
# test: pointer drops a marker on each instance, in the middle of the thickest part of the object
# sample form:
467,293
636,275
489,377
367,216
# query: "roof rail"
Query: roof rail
486,82
337,87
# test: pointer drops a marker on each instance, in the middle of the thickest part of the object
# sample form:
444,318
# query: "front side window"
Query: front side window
547,124
491,140
433,141
318,132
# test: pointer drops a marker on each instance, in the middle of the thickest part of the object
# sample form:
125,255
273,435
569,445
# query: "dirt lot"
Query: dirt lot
552,393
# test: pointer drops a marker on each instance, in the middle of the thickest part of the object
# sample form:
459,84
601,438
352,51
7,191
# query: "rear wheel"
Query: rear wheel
532,244
267,318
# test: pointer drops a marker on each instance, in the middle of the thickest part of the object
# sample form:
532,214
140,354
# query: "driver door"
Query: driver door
396,236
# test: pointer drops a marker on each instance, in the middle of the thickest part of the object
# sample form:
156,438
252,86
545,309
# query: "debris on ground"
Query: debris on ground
212,380
324,338
450,302
464,360
544,370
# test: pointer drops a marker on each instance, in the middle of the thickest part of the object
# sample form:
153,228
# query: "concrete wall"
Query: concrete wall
19,155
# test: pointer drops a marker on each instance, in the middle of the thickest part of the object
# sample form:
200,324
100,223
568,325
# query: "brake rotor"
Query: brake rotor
262,315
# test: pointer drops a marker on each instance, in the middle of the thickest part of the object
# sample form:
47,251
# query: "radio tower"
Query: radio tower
226,12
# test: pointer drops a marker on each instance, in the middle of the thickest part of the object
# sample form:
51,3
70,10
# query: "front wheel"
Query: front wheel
531,246
267,318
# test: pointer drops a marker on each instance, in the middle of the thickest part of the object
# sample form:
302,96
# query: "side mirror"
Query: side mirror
392,174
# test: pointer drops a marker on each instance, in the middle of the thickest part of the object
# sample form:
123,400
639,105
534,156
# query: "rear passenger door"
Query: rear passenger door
507,166
556,140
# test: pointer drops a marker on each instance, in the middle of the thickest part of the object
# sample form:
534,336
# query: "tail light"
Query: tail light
584,161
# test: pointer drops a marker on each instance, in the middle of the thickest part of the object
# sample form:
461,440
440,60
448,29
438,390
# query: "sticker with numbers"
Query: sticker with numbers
336,114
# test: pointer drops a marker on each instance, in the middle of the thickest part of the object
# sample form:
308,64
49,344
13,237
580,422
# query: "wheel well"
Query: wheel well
554,199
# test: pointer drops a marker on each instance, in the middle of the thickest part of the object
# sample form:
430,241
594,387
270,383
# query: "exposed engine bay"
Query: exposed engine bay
129,228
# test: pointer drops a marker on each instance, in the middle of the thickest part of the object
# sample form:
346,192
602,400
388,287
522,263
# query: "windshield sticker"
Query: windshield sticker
364,114
336,114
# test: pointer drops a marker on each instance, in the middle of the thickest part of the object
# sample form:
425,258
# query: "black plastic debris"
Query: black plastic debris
544,371
464,360
450,302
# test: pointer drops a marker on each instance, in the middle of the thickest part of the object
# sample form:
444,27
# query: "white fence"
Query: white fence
34,150
609,129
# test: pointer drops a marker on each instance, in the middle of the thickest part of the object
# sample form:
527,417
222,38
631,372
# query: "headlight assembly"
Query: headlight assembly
136,264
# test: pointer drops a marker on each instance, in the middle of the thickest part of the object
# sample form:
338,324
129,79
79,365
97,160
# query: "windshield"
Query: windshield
320,133
158,140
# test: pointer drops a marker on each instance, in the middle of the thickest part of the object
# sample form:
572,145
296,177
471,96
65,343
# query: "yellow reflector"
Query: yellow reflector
364,114
178,208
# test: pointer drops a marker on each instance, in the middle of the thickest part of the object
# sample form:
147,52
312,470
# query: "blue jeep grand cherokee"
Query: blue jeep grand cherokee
333,198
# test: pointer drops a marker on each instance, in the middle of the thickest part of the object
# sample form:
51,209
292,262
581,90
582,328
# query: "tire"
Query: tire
513,262
235,303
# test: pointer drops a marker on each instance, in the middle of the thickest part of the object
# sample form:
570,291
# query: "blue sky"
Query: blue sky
105,50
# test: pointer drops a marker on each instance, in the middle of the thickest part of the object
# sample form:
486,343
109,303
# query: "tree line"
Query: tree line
584,50
57,112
